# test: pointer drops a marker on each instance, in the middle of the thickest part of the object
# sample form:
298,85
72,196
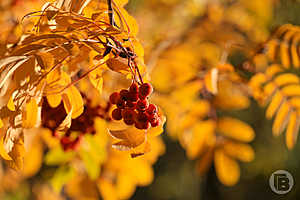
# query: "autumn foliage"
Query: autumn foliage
78,98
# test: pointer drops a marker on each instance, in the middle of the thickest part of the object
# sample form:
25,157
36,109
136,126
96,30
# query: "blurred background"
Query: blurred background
176,177
164,24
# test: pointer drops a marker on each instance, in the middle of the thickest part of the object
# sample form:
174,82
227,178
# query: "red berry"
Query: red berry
130,104
142,105
128,113
155,123
134,88
129,121
65,140
121,103
117,114
66,143
145,89
142,97
152,109
124,95
133,96
74,144
114,97
141,117
152,118
142,125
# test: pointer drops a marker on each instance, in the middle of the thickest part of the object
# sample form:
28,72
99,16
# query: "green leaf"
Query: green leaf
62,175
93,155
57,156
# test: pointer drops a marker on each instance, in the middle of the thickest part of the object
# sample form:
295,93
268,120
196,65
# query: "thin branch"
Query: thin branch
111,13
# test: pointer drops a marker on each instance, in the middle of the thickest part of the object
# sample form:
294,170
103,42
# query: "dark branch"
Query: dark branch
110,13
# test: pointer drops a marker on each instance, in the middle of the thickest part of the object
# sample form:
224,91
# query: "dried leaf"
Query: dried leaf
118,64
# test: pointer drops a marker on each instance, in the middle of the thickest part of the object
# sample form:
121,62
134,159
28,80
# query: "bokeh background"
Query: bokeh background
176,177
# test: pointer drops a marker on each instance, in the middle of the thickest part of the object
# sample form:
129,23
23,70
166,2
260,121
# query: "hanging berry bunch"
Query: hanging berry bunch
55,119
134,108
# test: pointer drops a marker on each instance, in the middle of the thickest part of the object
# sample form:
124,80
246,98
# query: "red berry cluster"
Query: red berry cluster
133,106
84,124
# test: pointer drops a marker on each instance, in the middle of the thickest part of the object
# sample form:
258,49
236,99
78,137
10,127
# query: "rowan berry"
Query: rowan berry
145,90
128,113
65,140
152,118
131,104
142,125
129,121
155,123
141,117
124,94
133,96
134,88
74,144
142,105
152,109
117,114
114,97
121,103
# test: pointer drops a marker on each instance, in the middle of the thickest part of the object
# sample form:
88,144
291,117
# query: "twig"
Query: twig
111,13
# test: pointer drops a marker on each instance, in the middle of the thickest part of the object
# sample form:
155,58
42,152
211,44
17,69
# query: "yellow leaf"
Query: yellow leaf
235,129
96,79
125,186
143,172
131,22
243,152
292,130
30,115
1,123
281,118
121,3
54,100
204,162
11,104
33,158
272,49
285,79
295,55
291,90
107,189
235,98
131,138
227,169
3,153
273,69
274,105
141,150
17,155
73,101
202,135
284,55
